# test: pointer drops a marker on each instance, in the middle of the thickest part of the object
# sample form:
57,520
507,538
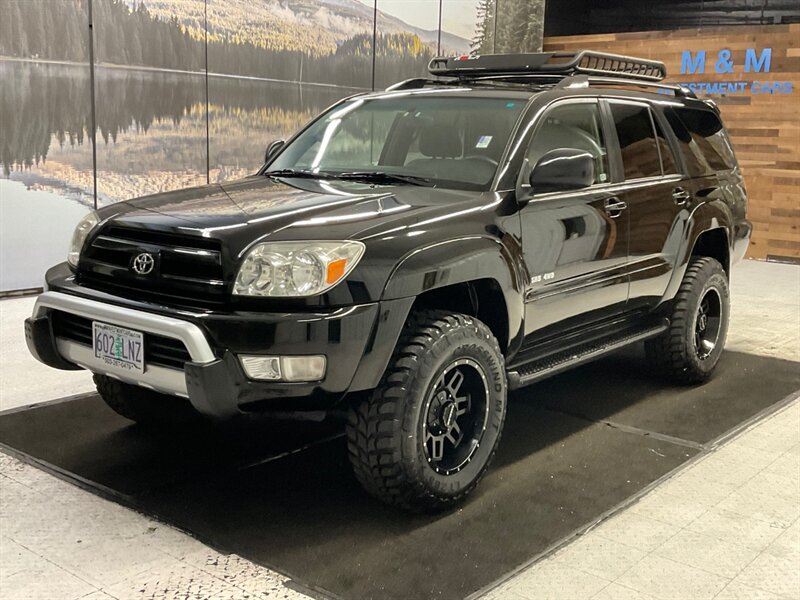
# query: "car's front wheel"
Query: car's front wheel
427,434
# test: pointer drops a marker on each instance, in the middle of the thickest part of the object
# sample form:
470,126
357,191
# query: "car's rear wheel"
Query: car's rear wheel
427,434
141,405
688,352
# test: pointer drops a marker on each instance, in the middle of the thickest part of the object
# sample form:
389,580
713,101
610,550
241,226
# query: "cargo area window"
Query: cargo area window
703,141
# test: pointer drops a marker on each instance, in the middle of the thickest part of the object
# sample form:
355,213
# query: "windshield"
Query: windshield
444,141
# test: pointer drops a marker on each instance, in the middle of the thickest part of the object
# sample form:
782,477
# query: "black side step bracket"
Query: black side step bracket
536,370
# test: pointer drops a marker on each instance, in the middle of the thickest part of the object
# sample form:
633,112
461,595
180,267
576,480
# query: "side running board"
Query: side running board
536,370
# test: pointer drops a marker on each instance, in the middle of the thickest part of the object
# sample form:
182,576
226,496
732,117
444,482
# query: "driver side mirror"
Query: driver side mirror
273,149
562,170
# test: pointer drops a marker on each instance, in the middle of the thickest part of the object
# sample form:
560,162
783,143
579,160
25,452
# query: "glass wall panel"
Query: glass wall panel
467,25
520,26
45,154
408,37
150,94
274,68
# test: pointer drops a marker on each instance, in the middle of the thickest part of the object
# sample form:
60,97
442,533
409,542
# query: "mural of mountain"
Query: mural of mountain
313,26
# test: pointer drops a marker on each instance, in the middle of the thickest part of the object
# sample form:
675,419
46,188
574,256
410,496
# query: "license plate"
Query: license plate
118,347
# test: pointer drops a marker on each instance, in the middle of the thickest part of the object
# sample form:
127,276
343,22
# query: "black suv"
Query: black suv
413,254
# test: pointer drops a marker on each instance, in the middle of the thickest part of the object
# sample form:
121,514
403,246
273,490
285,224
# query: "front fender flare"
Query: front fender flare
462,260
437,265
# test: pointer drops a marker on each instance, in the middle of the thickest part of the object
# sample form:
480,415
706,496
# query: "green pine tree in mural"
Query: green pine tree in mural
508,26
483,42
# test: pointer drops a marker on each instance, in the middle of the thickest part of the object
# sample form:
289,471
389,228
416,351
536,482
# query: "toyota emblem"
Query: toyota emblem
144,263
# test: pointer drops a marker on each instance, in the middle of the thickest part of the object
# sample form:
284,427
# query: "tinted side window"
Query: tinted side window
707,133
572,125
668,164
636,140
696,163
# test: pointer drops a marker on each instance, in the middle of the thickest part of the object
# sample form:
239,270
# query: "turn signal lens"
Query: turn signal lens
336,270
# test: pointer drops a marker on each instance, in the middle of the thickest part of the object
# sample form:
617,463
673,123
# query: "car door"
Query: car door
575,242
656,194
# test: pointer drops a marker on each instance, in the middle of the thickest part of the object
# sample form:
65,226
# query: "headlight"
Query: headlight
82,230
295,269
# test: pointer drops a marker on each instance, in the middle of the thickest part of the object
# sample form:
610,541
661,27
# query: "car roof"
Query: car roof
526,91
455,91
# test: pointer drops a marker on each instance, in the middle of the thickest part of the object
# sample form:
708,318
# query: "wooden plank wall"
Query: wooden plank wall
764,127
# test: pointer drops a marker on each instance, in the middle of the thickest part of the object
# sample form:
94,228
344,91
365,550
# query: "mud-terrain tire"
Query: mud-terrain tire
144,406
426,435
688,352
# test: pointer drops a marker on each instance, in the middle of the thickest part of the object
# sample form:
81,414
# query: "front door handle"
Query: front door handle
680,196
614,206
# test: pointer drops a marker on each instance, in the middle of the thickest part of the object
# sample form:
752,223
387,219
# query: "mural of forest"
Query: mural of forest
271,66
506,26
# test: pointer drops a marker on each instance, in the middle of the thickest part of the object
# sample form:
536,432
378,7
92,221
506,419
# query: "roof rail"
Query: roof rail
584,81
586,62
414,83
558,82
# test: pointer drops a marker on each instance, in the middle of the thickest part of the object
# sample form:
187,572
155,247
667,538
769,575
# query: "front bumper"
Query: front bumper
356,340
62,352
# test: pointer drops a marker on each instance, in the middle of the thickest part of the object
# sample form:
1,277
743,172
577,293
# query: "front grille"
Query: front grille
188,269
158,350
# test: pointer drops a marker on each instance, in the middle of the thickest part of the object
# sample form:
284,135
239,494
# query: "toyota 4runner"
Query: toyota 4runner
412,255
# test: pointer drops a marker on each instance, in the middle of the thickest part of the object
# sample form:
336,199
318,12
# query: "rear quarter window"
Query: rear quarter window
637,141
702,139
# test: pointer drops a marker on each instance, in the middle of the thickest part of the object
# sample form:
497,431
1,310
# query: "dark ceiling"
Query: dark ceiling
578,17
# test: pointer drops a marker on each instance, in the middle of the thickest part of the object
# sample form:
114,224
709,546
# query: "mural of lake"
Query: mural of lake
151,126
157,128
151,137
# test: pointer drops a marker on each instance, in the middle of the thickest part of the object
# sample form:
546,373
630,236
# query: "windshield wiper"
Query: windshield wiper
382,177
296,173
370,176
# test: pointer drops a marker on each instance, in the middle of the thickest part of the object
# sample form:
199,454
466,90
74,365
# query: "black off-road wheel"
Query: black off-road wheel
144,406
688,352
427,434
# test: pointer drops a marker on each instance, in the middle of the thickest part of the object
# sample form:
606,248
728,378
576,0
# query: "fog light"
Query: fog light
303,368
261,367
284,368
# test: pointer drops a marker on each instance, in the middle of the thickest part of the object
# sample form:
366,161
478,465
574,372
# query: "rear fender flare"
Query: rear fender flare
706,217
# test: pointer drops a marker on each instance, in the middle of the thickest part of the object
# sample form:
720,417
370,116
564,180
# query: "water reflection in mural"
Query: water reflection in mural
150,127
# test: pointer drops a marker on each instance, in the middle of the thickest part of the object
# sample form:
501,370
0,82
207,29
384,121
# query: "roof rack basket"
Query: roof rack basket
551,64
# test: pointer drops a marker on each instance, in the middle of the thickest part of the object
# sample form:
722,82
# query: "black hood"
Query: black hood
243,212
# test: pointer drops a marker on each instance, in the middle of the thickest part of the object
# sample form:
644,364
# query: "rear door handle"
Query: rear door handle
614,206
681,196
